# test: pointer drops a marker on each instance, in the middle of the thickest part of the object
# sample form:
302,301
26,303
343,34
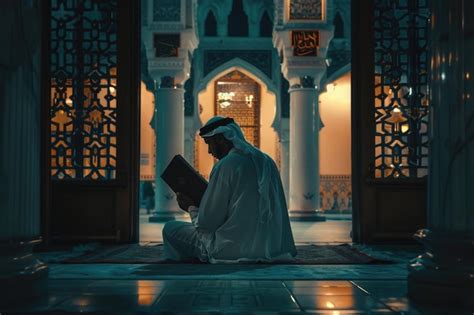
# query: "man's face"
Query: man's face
215,146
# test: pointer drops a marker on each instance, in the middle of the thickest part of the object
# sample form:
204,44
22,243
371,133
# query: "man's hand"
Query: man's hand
184,201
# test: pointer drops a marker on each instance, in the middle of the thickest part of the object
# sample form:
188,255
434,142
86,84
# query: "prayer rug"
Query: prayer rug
151,254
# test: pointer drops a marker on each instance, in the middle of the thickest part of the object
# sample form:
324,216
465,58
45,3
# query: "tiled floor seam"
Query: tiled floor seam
375,298
292,296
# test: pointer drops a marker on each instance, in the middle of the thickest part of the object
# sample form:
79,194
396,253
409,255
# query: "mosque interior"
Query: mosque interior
364,105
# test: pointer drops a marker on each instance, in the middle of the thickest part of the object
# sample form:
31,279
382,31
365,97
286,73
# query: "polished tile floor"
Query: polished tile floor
211,289
211,296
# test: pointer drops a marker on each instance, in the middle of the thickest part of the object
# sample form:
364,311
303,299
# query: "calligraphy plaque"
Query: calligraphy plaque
306,10
305,43
166,45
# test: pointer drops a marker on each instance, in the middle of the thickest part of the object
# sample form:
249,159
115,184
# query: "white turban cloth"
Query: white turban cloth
263,163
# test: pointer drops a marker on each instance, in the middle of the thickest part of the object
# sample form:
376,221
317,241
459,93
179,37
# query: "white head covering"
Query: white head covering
262,162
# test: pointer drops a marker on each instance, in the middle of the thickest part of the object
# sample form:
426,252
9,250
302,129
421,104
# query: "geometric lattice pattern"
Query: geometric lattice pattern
305,10
238,96
166,10
83,89
401,88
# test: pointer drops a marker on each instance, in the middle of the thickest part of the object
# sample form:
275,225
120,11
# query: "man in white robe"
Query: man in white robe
243,214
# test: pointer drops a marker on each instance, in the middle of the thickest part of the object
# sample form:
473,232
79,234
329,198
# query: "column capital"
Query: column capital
300,59
305,82
169,47
167,82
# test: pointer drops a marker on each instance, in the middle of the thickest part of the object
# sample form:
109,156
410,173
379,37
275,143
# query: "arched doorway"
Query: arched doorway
238,93
238,96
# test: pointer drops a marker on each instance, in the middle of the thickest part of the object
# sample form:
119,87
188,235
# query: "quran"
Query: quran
183,178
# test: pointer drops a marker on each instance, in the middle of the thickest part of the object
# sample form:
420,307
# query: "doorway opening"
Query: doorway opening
260,104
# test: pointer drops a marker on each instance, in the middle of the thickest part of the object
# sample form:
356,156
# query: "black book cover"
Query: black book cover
183,178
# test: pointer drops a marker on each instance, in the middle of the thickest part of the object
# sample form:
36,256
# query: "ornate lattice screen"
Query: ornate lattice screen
83,89
238,96
401,88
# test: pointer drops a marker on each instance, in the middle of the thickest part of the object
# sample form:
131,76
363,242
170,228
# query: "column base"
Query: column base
165,216
17,261
307,216
444,274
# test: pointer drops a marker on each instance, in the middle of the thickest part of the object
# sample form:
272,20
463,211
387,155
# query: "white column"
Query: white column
446,269
20,146
169,129
304,159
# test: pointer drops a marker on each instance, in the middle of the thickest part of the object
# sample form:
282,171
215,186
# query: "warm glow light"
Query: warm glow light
468,75
443,76
396,110
224,98
248,100
330,87
330,304
146,294
224,104
82,301
112,90
146,299
405,128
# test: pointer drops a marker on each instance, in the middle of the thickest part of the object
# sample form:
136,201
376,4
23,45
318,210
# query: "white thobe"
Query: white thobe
228,223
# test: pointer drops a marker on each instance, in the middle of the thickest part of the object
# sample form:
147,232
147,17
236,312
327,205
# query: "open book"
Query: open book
183,178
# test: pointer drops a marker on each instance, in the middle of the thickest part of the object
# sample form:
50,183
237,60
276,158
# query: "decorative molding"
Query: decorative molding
335,192
167,10
166,45
167,82
176,63
262,59
147,177
307,81
306,10
165,27
316,62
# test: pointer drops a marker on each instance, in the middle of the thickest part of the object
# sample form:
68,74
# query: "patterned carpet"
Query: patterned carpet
151,254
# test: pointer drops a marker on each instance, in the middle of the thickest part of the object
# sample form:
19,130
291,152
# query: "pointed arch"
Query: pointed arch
238,20
210,24
266,25
250,70
338,26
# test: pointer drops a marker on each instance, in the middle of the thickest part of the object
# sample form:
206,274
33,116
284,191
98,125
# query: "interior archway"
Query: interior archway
268,138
